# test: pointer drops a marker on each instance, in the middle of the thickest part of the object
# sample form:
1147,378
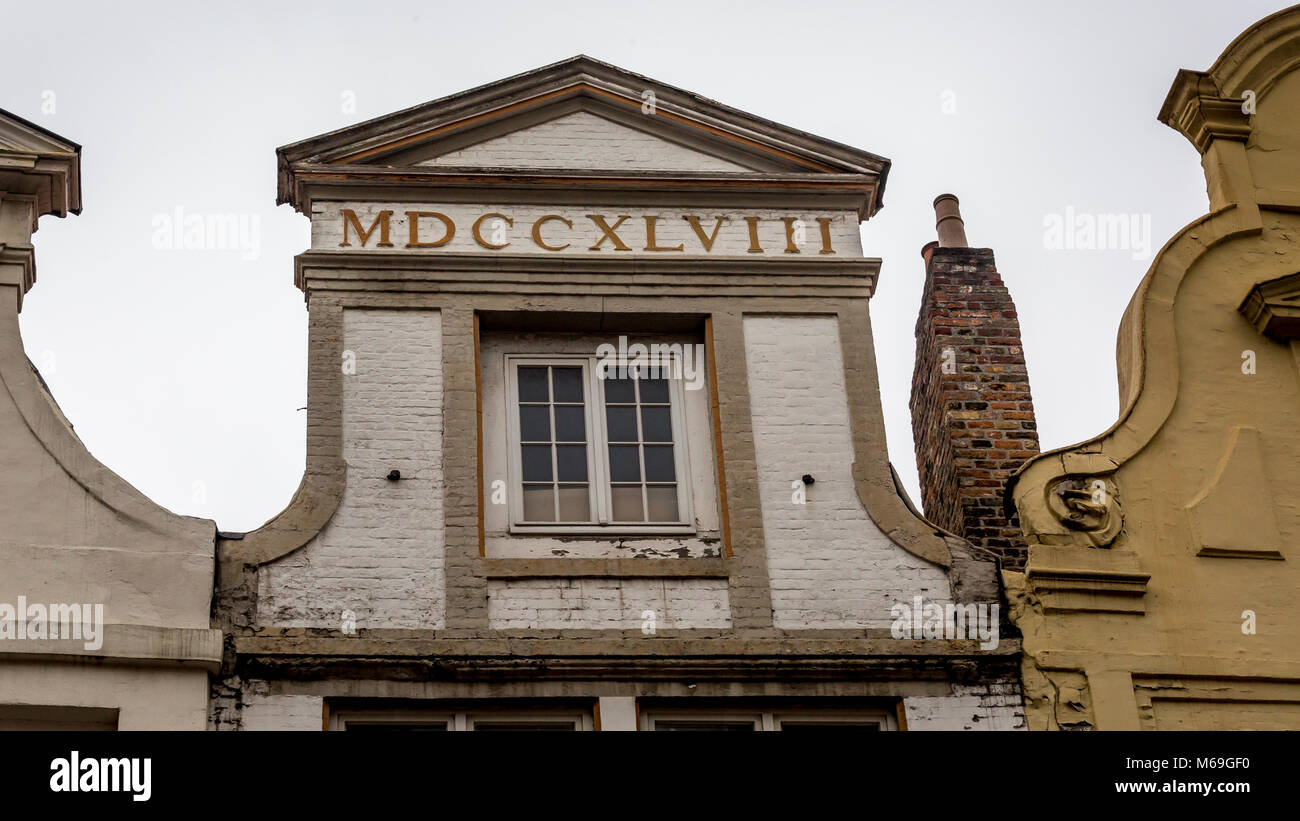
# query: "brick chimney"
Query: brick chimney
972,412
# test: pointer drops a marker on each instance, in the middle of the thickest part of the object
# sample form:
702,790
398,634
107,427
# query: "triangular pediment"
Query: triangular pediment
584,139
578,115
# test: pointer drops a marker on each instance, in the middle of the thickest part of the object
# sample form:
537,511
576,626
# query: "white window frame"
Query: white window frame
582,721
598,471
463,720
770,720
339,720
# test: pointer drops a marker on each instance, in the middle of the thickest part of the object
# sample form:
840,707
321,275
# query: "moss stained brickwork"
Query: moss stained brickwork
972,412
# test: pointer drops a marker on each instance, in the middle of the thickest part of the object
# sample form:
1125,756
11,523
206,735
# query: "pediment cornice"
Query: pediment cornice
41,164
399,140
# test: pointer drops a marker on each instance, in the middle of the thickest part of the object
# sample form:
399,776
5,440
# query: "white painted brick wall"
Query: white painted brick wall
584,140
607,603
281,712
970,707
830,566
382,555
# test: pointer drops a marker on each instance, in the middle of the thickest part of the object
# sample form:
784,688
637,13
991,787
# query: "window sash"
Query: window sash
598,466
480,719
768,720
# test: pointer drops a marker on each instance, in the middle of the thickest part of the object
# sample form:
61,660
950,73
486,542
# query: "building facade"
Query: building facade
504,523
105,598
594,442
1160,587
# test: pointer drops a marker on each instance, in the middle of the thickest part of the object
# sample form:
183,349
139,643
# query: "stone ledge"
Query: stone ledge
549,568
604,643
127,643
1080,579
1273,307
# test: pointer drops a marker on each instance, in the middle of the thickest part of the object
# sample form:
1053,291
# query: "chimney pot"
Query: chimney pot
948,222
928,251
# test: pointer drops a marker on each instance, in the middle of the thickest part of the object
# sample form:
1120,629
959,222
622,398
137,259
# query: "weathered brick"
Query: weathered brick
971,435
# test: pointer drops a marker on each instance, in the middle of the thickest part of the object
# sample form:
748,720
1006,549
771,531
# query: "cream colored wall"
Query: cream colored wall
75,534
1184,617
1195,605
147,697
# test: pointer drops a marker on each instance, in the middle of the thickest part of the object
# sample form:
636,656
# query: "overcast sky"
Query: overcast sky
185,370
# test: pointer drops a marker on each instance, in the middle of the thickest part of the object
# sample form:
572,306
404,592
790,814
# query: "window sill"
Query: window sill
543,568
610,531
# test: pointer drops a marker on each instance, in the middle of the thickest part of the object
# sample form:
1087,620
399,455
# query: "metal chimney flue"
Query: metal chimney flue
948,222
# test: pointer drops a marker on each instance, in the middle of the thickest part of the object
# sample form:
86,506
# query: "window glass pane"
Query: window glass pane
537,463
819,726
535,423
571,463
516,726
705,726
626,503
539,503
394,726
621,423
532,385
574,503
619,390
623,464
567,383
659,463
570,423
662,500
656,425
654,390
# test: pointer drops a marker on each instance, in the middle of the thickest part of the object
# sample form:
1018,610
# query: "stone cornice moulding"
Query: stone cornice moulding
613,274
1201,101
127,644
312,183
34,160
1197,109
667,645
692,119
17,268
1273,307
571,75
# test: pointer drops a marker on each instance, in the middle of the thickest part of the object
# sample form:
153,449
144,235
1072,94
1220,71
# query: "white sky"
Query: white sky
184,371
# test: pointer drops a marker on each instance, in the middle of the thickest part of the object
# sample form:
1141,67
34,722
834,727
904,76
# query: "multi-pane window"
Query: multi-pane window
595,452
779,720
487,719
553,444
642,472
